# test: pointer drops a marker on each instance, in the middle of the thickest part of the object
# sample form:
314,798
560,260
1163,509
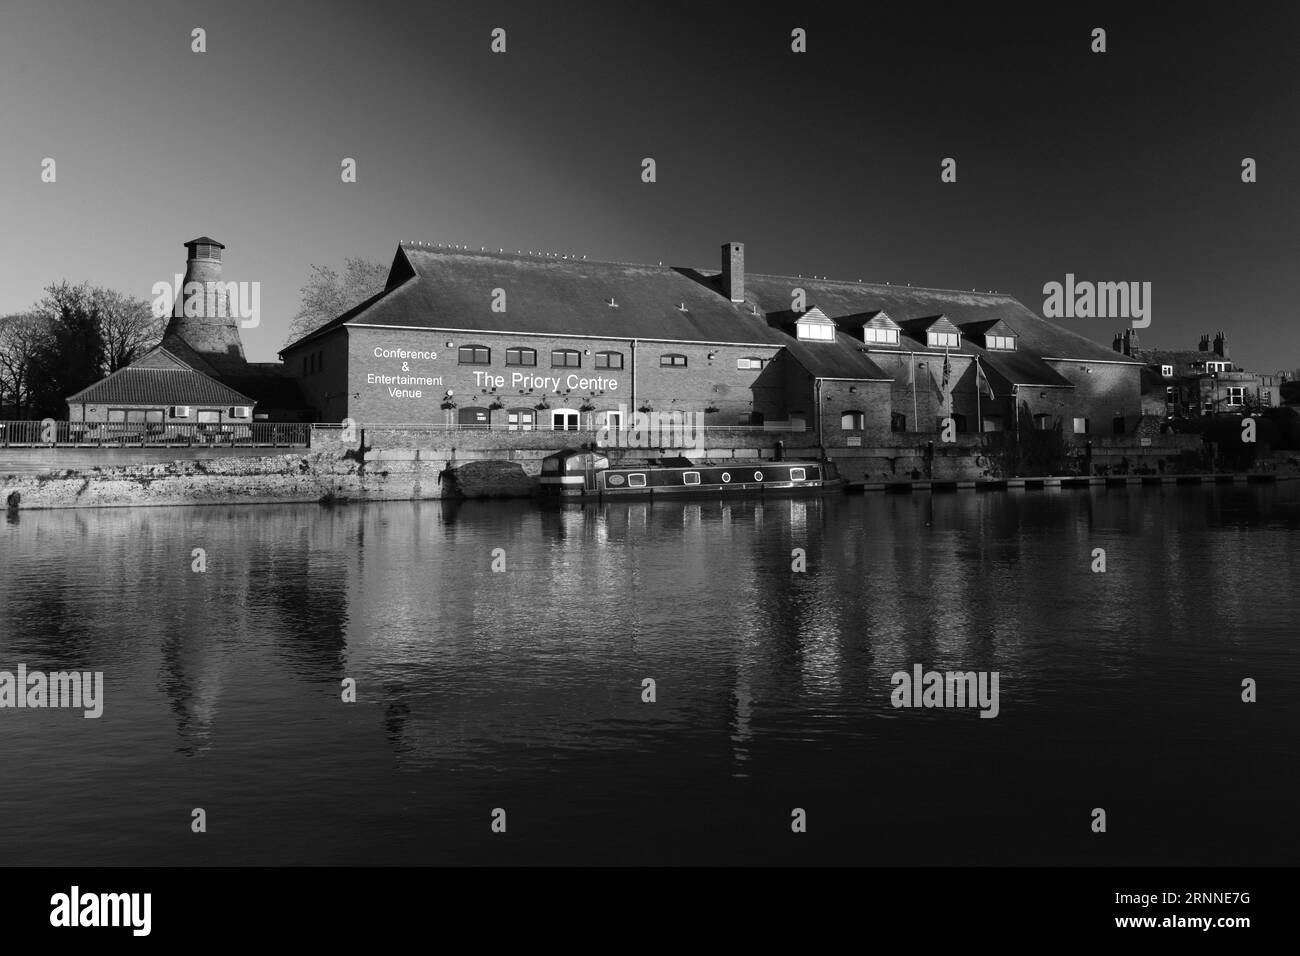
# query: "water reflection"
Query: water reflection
528,680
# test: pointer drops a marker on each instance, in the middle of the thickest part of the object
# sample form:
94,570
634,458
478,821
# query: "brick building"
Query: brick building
1189,383
198,373
522,342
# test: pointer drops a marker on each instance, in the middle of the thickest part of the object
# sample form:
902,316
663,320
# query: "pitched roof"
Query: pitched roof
159,378
1022,368
438,288
453,289
873,320
916,328
843,299
842,358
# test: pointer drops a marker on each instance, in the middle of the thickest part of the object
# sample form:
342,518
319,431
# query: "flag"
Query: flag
947,371
983,380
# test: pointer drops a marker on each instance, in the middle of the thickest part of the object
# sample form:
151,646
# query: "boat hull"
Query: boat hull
735,479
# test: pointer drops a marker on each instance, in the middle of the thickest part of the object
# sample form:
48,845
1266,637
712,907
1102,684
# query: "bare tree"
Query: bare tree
22,339
327,295
128,326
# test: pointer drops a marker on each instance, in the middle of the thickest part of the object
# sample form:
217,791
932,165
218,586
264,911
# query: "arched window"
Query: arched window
475,355
851,421
566,358
521,356
473,417
672,360
609,360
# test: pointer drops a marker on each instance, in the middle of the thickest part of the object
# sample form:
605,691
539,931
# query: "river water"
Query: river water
522,689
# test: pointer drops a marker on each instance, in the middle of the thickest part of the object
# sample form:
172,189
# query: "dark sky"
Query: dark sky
1123,166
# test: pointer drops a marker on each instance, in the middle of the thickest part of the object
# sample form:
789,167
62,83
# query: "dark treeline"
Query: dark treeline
73,337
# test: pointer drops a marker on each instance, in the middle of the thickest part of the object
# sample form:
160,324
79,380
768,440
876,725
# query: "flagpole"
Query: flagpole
979,414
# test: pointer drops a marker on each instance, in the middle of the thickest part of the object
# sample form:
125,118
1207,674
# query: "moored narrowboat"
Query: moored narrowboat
581,473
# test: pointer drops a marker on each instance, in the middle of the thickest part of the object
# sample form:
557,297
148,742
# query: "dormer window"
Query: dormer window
1002,343
880,329
814,326
943,340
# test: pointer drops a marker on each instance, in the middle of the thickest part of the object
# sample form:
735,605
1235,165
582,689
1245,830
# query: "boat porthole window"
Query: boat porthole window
691,478
758,476
797,474
726,477
636,481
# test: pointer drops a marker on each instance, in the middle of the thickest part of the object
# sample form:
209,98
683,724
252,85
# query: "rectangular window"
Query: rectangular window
691,478
1081,426
942,340
304,366
209,416
751,363
897,422
520,420
797,474
521,356
636,481
851,421
816,331
475,355
880,336
672,361
1267,396
1006,343
153,415
1236,395
609,360
1167,371
566,358
117,414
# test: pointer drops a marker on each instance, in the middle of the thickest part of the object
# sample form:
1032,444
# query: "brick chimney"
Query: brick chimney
1118,343
733,271
1204,345
1221,345
1130,341
210,329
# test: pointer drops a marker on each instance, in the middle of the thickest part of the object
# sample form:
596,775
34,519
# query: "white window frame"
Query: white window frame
798,474
880,336
636,481
815,331
1167,371
943,340
691,478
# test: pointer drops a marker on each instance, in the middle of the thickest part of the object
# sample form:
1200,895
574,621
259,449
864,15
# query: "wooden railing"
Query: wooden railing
55,434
